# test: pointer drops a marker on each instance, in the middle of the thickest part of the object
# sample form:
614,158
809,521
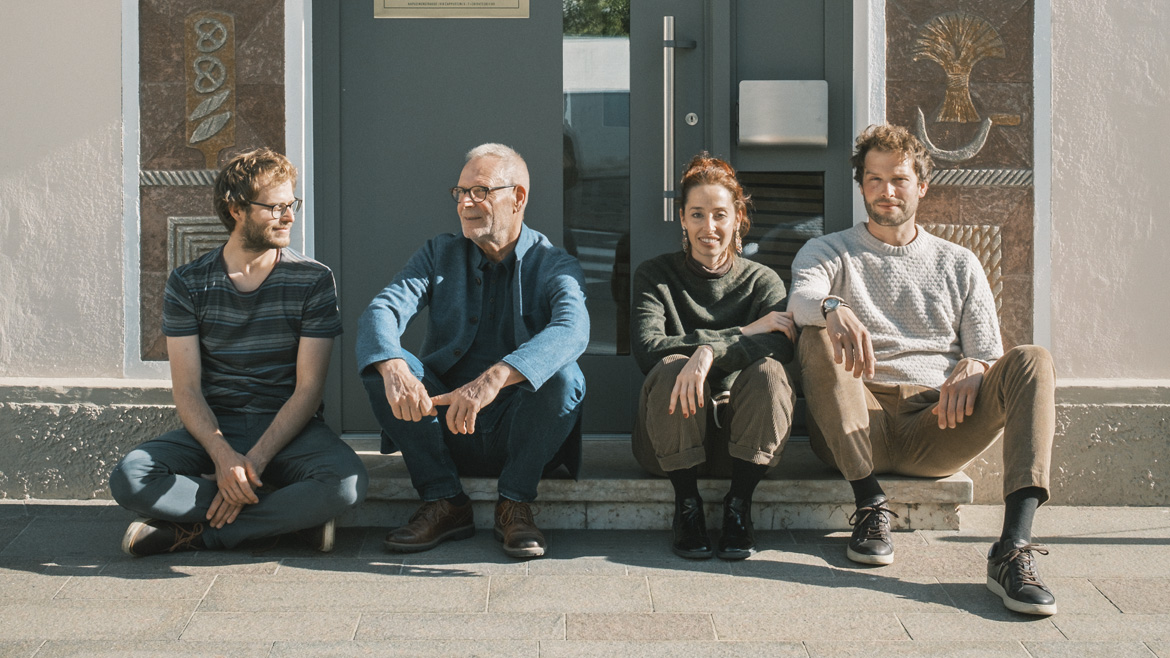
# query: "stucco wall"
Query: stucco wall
1110,214
61,190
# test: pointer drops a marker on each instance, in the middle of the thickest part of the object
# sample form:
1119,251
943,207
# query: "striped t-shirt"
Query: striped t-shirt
248,340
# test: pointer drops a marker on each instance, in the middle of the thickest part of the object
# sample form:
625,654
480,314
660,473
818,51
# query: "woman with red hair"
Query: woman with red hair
711,332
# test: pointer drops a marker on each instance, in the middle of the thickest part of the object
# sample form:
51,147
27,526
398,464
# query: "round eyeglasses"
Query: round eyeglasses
278,209
478,193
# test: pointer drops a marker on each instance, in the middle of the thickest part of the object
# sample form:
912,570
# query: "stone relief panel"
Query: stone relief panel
211,84
959,75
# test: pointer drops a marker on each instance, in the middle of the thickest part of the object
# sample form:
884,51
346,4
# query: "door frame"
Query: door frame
305,87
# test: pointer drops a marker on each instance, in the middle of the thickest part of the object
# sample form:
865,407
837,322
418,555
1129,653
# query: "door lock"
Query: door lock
691,118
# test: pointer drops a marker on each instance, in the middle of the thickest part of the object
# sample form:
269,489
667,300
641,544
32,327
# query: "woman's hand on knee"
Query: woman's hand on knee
688,394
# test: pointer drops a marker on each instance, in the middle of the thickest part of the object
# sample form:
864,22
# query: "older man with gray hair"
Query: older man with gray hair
496,390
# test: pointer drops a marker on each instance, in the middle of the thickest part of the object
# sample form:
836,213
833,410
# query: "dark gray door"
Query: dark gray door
580,94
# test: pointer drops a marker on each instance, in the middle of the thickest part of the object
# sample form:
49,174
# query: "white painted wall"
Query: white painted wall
1110,175
61,190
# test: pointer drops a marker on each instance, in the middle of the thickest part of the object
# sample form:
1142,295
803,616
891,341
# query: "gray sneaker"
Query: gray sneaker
320,537
1011,574
871,542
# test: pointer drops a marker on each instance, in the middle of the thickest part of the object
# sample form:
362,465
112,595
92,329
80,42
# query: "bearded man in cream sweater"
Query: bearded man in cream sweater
904,371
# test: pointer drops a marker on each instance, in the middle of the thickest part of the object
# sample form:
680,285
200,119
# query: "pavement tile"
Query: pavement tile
795,563
569,594
945,562
348,542
30,587
585,566
137,588
139,649
1125,628
20,649
1068,649
925,649
808,626
13,509
1106,560
323,568
616,544
463,626
190,563
1160,649
416,648
97,620
491,566
1073,596
58,537
10,528
79,509
961,626
321,625
634,649
1136,595
1102,524
645,627
390,594
51,566
703,595
668,564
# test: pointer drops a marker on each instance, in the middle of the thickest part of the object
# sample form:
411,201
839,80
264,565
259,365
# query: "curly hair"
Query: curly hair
891,139
705,169
242,178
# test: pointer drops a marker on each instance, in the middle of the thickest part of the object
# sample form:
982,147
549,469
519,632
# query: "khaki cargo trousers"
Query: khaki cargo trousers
867,427
756,421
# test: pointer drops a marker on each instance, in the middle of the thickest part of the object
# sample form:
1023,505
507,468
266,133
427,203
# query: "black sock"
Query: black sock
866,488
686,483
744,478
459,500
1019,508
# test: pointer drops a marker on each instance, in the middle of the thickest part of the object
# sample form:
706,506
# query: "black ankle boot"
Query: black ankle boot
738,540
690,530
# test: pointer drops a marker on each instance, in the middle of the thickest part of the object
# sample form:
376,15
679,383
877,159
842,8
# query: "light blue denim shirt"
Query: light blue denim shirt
549,316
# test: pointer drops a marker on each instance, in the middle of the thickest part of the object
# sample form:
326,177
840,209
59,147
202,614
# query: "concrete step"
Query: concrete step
614,493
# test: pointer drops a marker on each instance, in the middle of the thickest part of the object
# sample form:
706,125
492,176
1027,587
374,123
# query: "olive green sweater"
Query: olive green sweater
675,311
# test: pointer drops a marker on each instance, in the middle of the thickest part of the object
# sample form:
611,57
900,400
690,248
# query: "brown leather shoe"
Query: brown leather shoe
516,529
435,522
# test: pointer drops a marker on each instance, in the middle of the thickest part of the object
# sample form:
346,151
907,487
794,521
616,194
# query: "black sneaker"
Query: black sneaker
738,540
1011,573
871,542
152,536
690,530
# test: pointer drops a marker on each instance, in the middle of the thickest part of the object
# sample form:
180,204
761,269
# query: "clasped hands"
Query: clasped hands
238,477
853,348
688,394
409,399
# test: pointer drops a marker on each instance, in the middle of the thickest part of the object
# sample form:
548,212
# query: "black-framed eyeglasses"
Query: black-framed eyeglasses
478,193
278,209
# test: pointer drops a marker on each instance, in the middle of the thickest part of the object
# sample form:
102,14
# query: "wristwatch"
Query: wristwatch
831,304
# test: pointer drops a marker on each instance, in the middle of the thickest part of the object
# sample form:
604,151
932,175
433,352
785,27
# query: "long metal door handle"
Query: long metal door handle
668,45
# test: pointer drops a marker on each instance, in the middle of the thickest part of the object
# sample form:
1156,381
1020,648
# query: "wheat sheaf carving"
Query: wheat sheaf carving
957,41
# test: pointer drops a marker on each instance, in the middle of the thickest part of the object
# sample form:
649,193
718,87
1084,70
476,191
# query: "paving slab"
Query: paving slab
909,649
65,537
583,566
319,625
735,594
99,620
1160,649
392,594
1136,595
797,626
122,649
20,649
413,649
1124,628
635,649
461,626
569,594
792,563
961,626
1069,649
645,627
29,587
327,568
137,588
190,563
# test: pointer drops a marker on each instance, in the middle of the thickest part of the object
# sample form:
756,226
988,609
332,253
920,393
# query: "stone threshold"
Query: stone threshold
614,493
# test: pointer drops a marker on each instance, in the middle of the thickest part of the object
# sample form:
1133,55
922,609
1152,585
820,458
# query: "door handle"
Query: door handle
669,44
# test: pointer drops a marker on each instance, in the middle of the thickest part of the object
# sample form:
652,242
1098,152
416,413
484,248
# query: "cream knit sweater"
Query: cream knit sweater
927,305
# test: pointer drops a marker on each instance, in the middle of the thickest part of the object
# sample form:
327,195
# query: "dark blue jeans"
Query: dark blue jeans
318,474
515,436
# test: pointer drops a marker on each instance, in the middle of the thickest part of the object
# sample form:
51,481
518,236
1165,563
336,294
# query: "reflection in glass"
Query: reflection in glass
596,55
787,210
